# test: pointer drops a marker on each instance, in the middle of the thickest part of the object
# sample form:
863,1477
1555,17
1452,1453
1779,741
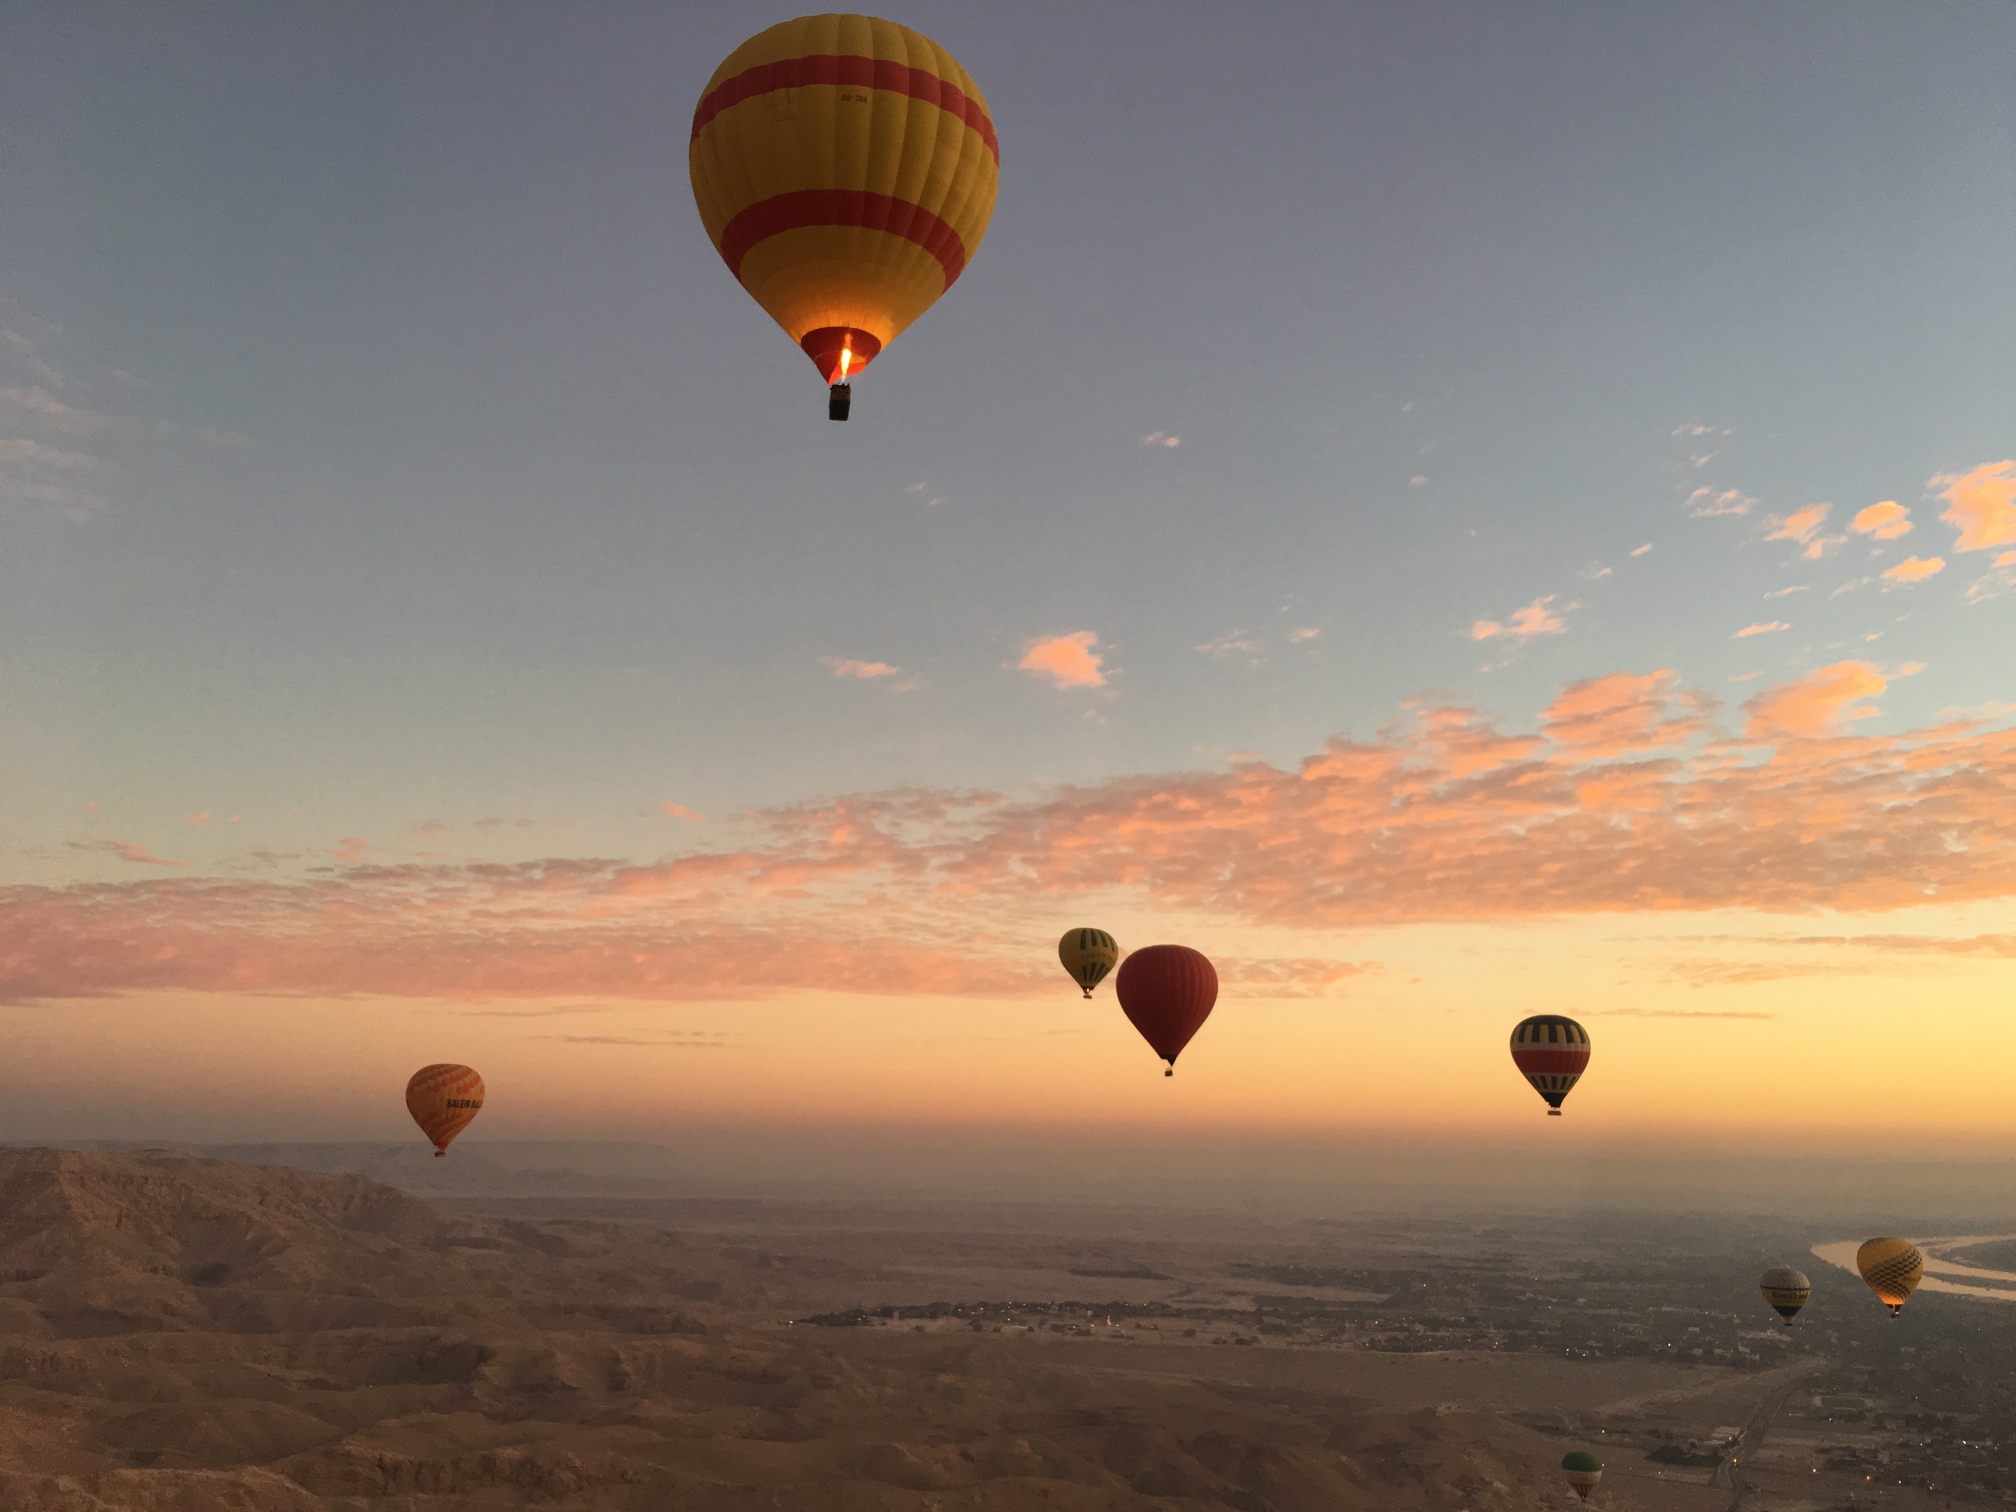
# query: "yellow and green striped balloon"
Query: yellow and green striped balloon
1088,954
845,169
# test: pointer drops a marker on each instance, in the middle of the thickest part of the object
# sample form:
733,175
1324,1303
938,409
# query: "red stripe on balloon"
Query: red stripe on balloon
1551,1062
842,207
847,68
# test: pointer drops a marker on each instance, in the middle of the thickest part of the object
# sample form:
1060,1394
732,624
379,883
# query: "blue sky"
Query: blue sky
446,474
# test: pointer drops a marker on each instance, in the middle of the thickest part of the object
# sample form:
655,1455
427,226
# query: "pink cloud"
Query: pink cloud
1982,503
350,848
1706,502
1291,977
861,669
128,850
1915,569
1066,660
680,811
1801,525
1625,800
1814,705
1767,627
1625,712
1535,619
1885,521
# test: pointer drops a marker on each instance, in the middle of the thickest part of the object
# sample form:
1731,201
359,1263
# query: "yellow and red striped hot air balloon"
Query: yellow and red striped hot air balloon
845,168
444,1099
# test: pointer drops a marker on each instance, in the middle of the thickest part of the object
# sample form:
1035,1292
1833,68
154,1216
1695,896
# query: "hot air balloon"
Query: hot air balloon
1893,1268
845,170
1787,1290
1552,1053
1583,1470
1088,954
1167,992
444,1099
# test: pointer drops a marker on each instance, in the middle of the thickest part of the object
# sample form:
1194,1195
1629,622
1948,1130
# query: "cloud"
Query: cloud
69,481
1786,592
1161,438
1234,643
1595,572
1885,521
680,811
38,406
1765,627
1998,580
1447,815
1535,619
1419,480
350,848
1290,977
1803,526
1814,705
1683,1013
840,667
1067,660
1624,712
1915,569
1303,634
662,1042
1640,551
1981,503
129,850
1704,503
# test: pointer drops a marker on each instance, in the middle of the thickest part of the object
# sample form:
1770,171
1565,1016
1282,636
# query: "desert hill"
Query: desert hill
186,1334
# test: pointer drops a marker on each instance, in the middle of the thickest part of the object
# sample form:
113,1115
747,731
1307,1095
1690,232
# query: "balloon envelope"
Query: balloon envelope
1167,991
845,170
1088,954
1551,1052
1583,1470
1893,1269
1787,1290
444,1099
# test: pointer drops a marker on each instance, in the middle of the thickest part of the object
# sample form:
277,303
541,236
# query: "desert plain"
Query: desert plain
180,1334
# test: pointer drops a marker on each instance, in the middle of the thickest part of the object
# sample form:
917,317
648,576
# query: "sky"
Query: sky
1457,511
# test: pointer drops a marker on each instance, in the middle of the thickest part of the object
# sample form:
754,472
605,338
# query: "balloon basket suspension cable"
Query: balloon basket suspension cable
838,399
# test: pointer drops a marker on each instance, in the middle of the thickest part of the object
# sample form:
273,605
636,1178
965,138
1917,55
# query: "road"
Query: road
1727,1476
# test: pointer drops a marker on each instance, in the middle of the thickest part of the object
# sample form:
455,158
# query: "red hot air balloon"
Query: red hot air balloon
1167,991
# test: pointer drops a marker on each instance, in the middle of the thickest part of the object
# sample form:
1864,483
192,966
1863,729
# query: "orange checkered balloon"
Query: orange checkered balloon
845,169
444,1099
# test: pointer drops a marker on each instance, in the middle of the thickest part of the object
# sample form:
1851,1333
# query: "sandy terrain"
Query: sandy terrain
185,1334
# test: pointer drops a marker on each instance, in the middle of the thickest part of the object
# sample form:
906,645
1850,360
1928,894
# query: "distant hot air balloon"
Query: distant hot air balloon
1167,992
1583,1470
1787,1290
444,1099
1088,954
1893,1268
845,169
1552,1053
